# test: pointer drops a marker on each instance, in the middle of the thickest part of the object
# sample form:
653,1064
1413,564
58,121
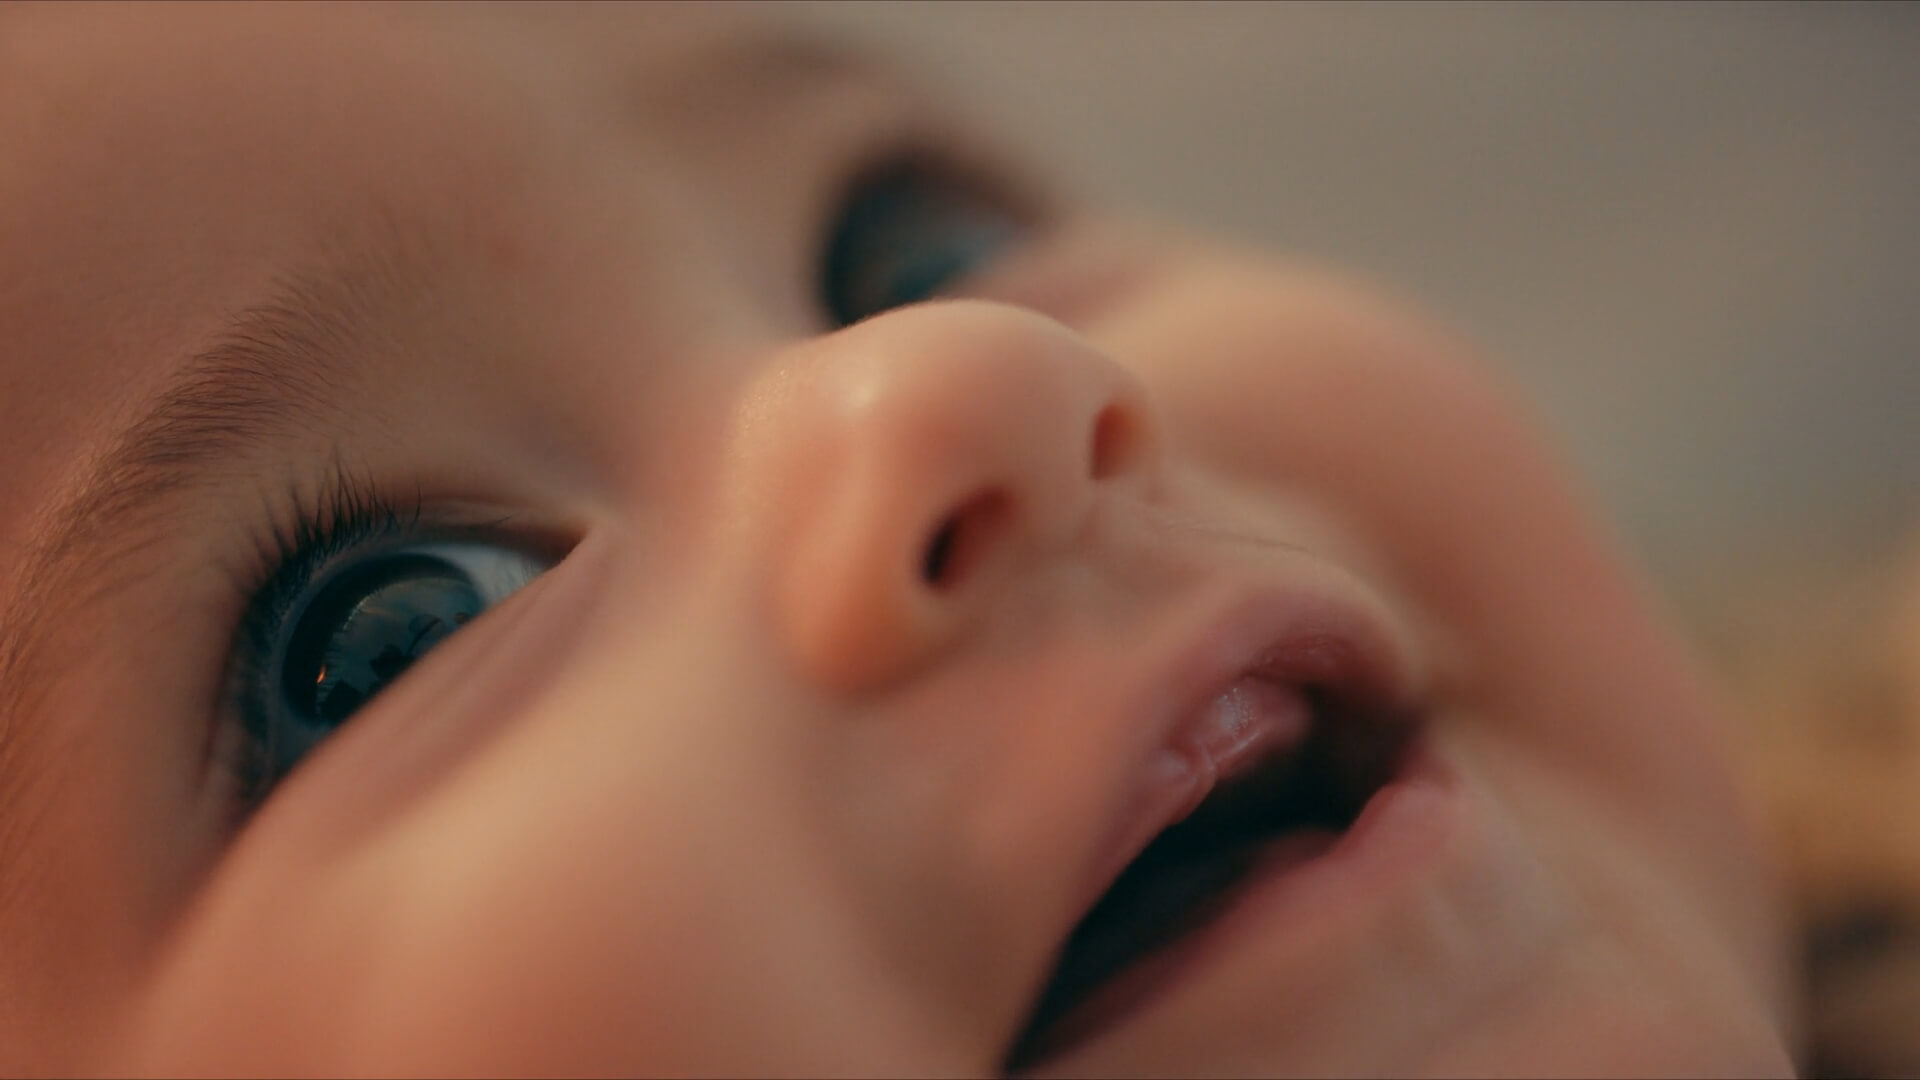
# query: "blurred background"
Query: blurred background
1692,231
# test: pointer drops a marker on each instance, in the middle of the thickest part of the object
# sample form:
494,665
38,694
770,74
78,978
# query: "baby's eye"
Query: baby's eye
907,234
353,630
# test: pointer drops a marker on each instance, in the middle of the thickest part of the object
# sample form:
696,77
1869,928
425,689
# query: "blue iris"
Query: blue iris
359,628
908,235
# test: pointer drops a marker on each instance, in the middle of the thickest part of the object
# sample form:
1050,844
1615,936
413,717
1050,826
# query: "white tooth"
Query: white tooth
1250,714
1232,711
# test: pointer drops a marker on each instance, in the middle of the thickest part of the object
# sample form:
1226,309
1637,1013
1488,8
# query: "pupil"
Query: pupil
368,629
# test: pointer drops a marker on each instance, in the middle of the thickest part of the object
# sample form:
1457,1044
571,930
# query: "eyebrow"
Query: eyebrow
275,370
779,62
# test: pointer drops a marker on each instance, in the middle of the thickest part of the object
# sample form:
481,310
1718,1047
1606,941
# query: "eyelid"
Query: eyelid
951,160
308,536
911,227
348,510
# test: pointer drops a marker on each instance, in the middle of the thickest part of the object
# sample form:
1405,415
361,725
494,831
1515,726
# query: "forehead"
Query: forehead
191,47
129,126
205,94
167,166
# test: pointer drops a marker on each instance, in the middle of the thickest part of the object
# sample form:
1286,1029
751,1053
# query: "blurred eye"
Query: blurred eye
908,234
356,629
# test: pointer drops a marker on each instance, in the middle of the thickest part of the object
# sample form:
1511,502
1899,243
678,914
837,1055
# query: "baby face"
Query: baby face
502,574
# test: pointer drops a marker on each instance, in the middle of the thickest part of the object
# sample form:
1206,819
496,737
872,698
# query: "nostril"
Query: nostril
959,539
1115,435
940,552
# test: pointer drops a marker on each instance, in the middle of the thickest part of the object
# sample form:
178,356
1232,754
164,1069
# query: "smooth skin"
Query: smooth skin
733,787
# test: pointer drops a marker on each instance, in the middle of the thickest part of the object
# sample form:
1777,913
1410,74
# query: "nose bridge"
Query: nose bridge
960,442
974,397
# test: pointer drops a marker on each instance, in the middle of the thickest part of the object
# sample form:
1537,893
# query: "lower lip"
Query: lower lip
1395,843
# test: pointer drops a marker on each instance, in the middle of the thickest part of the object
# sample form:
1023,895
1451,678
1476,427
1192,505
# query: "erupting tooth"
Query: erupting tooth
1249,720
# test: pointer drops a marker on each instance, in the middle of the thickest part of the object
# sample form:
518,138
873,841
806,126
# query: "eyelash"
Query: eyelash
348,514
309,531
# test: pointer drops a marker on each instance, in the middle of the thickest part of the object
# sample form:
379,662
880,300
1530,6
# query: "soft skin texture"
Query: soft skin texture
734,788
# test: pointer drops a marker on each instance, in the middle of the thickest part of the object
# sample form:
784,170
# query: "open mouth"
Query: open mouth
1275,813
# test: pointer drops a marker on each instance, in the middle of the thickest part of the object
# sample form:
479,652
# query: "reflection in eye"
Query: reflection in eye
906,235
358,629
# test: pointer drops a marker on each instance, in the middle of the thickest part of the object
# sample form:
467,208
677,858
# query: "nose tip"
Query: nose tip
954,445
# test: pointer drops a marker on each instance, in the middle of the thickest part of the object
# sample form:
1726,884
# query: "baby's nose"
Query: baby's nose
924,458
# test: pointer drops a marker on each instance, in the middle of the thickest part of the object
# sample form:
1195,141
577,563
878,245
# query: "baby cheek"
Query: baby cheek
1309,389
1317,389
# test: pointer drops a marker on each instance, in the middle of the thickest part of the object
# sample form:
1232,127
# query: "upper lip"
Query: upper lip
1332,639
1327,640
